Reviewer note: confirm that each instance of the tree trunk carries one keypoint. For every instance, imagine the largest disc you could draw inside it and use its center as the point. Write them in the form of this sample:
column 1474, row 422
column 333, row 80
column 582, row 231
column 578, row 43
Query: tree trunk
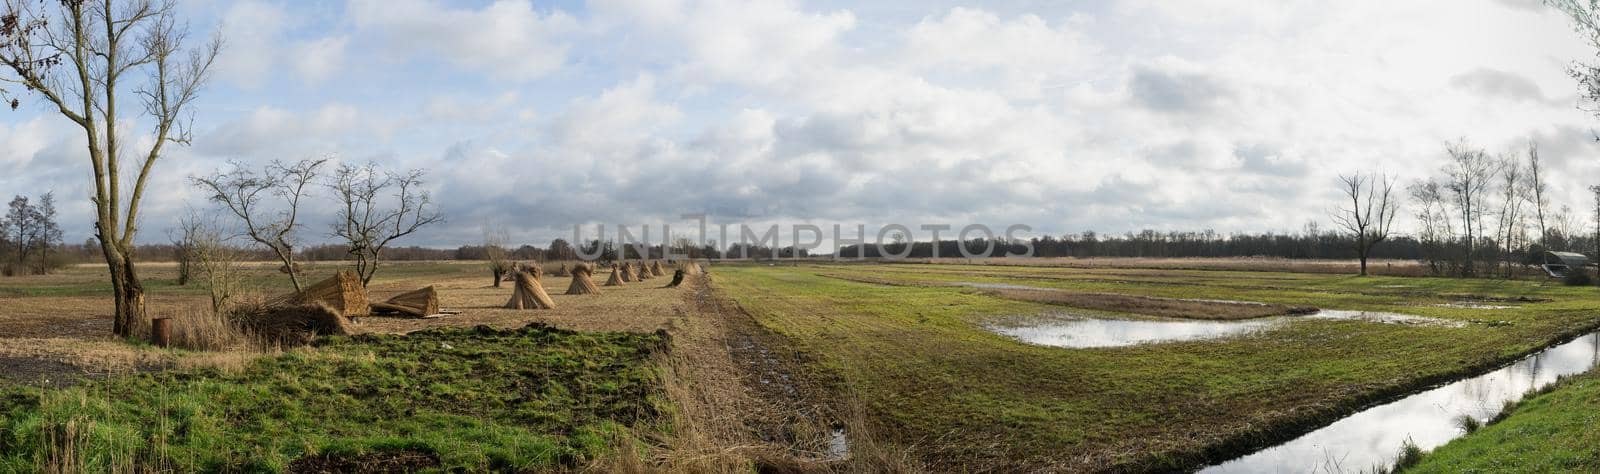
column 129, row 292
column 1361, row 250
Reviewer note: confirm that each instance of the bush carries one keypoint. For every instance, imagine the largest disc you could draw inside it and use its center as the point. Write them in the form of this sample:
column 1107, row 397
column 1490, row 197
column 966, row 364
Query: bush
column 1577, row 277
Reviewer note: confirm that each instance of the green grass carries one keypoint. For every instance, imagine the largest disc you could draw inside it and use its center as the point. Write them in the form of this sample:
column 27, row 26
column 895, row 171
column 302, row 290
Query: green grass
column 1555, row 431
column 479, row 399
column 961, row 397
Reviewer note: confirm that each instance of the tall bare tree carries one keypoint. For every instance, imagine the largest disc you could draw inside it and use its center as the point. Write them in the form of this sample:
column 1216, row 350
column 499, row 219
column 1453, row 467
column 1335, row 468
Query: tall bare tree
column 1433, row 217
column 1371, row 211
column 104, row 47
column 378, row 208
column 1469, row 174
column 241, row 190
column 1538, row 191
column 1509, row 227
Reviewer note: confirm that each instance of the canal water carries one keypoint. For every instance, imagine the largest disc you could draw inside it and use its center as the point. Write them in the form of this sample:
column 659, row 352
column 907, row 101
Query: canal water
column 1429, row 419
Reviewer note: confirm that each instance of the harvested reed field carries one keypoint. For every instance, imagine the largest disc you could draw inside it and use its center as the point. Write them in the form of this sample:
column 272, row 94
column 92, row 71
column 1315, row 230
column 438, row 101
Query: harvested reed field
column 920, row 347
column 666, row 377
column 843, row 367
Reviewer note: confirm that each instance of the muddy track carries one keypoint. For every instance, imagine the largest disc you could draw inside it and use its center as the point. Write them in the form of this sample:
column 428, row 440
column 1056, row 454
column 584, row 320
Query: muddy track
column 746, row 397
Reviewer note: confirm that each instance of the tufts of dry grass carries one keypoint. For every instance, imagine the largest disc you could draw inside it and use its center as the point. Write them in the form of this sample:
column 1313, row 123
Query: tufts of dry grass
column 200, row 329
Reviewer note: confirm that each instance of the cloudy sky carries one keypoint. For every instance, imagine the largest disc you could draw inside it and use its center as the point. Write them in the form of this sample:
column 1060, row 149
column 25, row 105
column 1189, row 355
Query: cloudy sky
column 1066, row 116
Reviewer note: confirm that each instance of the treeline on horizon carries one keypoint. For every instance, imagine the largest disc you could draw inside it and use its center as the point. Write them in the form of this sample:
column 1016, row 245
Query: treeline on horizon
column 1143, row 244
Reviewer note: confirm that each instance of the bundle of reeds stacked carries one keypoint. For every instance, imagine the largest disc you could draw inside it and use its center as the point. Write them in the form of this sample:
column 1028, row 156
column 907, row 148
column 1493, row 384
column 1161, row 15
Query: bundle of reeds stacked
column 582, row 284
column 655, row 269
column 616, row 276
column 563, row 271
column 343, row 292
column 420, row 303
column 628, row 274
column 691, row 268
column 644, row 272
column 529, row 293
column 291, row 325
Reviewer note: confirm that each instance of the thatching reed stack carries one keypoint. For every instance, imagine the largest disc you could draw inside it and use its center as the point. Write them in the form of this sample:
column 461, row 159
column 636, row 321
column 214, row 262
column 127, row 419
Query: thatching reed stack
column 655, row 269
column 616, row 276
column 643, row 272
column 582, row 283
column 628, row 275
column 419, row 303
column 343, row 292
column 563, row 271
column 291, row 324
column 529, row 293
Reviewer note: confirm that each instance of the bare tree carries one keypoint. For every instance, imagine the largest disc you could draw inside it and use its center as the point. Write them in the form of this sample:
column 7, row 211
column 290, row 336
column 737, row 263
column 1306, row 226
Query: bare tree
column 101, row 44
column 367, row 223
column 1469, row 173
column 22, row 229
column 1433, row 217
column 216, row 265
column 1510, row 223
column 1371, row 213
column 1585, row 16
column 1537, row 192
column 48, row 233
column 494, row 246
column 241, row 191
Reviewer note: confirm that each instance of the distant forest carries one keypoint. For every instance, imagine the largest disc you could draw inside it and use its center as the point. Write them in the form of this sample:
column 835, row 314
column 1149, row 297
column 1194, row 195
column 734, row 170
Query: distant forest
column 1146, row 244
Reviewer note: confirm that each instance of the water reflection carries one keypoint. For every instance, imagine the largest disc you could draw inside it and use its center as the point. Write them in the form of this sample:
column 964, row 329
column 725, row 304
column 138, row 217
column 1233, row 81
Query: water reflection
column 1386, row 318
column 1096, row 332
column 1429, row 419
column 1080, row 332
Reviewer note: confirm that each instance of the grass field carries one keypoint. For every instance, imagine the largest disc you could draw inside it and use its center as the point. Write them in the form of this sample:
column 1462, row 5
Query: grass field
column 758, row 363
column 466, row 399
column 965, row 398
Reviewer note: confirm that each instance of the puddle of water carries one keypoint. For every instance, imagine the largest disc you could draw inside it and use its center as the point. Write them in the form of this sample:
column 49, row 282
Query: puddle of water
column 1386, row 318
column 1083, row 333
column 1374, row 436
column 1080, row 332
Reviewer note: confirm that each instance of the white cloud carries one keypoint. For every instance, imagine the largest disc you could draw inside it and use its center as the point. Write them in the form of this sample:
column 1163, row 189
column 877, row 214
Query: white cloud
column 1132, row 114
column 320, row 59
column 507, row 39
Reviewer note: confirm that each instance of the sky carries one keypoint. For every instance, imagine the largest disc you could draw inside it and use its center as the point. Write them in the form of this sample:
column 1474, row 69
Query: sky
column 1115, row 115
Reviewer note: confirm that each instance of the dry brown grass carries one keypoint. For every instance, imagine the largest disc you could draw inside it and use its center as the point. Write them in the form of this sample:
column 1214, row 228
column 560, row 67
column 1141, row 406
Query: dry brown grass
column 1154, row 306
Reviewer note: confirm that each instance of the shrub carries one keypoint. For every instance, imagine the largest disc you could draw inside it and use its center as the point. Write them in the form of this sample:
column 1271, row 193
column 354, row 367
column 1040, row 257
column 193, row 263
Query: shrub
column 1577, row 277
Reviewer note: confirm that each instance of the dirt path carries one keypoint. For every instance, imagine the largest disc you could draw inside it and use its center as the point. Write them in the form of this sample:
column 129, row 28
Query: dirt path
column 742, row 395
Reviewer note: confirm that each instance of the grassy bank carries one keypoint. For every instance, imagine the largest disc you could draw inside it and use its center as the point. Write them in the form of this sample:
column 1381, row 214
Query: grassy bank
column 964, row 398
column 469, row 399
column 1555, row 431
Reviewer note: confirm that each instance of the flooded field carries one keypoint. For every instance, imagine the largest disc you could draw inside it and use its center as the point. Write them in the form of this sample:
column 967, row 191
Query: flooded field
column 1079, row 331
